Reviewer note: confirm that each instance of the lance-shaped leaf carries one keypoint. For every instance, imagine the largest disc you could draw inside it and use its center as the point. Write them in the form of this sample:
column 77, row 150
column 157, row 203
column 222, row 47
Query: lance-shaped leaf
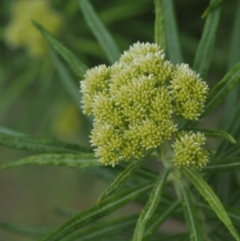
column 233, row 213
column 36, row 144
column 67, row 160
column 96, row 212
column 151, row 206
column 213, row 133
column 159, row 219
column 193, row 224
column 100, row 32
column 222, row 167
column 77, row 66
column 159, row 28
column 24, row 230
column 206, row 45
column 173, row 43
column 222, row 88
column 105, row 229
column 213, row 4
column 123, row 177
column 206, row 191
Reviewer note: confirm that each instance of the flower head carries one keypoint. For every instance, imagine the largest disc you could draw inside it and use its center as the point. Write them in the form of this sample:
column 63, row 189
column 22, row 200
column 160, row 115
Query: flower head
column 188, row 150
column 134, row 100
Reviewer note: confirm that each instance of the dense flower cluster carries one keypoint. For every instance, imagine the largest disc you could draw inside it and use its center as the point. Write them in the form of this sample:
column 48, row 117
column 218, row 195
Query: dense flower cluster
column 133, row 102
column 188, row 150
column 21, row 33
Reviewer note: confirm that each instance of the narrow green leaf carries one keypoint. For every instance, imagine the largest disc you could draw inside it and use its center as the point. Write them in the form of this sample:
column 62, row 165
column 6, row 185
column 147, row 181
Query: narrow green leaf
column 160, row 218
column 7, row 131
column 96, row 212
column 222, row 167
column 123, row 177
column 206, row 45
column 24, row 230
column 159, row 35
column 104, row 229
column 222, row 88
column 65, row 212
column 66, row 78
column 151, row 206
column 195, row 230
column 67, row 160
column 100, row 32
column 213, row 4
column 77, row 66
column 36, row 144
column 213, row 133
column 206, row 191
column 173, row 43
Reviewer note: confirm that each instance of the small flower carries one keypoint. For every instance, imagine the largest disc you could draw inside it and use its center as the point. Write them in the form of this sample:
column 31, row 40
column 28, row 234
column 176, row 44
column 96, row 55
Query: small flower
column 188, row 150
column 21, row 33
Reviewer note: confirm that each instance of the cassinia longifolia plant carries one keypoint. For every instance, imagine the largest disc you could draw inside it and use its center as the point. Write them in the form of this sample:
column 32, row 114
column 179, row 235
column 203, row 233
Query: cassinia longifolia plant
column 149, row 104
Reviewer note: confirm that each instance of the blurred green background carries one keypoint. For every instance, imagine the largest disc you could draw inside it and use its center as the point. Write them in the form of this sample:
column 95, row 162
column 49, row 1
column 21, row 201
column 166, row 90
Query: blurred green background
column 35, row 99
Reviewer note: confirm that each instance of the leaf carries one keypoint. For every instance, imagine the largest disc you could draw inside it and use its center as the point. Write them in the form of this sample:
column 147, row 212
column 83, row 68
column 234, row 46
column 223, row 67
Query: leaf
column 77, row 66
column 222, row 167
column 36, row 144
column 66, row 79
column 206, row 45
column 213, row 4
column 151, row 206
column 193, row 224
column 159, row 35
column 100, row 32
column 104, row 229
column 213, row 133
column 159, row 219
column 206, row 191
column 67, row 160
column 96, row 212
column 24, row 229
column 123, row 177
column 173, row 43
column 222, row 88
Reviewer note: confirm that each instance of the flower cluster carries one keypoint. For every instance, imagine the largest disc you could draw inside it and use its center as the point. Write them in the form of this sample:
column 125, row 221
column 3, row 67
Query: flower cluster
column 134, row 100
column 21, row 33
column 188, row 150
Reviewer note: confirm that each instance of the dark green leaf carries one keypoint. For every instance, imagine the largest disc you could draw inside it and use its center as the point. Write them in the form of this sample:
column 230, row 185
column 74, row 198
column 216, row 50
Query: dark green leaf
column 213, row 4
column 104, row 229
column 195, row 230
column 151, row 206
column 222, row 88
column 222, row 167
column 173, row 43
column 123, row 177
column 206, row 191
column 67, row 160
column 77, row 66
column 159, row 219
column 99, row 30
column 159, row 35
column 24, row 229
column 96, row 212
column 206, row 45
column 36, row 144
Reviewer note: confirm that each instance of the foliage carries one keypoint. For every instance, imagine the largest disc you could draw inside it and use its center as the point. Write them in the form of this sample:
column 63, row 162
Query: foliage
column 188, row 185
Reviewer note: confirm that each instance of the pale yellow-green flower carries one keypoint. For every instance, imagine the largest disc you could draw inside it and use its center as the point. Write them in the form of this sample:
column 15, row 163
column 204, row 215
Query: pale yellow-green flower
column 189, row 151
column 188, row 91
column 134, row 100
column 21, row 33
